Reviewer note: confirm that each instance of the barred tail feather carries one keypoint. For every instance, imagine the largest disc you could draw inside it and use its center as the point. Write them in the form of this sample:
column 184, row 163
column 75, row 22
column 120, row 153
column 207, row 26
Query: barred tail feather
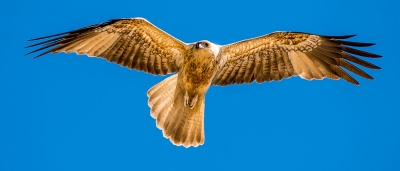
column 182, row 125
column 160, row 95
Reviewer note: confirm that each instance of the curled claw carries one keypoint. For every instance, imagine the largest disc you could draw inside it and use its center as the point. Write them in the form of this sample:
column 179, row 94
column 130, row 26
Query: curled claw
column 193, row 102
column 186, row 99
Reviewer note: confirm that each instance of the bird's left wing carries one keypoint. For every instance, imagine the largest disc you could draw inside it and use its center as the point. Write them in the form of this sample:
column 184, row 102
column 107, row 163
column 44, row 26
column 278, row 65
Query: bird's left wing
column 134, row 43
column 284, row 54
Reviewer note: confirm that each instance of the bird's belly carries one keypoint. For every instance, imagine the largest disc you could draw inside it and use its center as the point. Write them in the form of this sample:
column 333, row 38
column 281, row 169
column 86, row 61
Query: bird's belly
column 197, row 75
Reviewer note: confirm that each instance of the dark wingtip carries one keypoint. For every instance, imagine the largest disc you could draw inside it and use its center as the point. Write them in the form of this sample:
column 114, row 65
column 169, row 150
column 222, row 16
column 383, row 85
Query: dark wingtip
column 35, row 56
column 44, row 53
column 45, row 42
column 358, row 61
column 356, row 44
column 353, row 81
column 359, row 52
column 38, row 56
column 28, row 53
column 338, row 37
column 48, row 36
column 356, row 83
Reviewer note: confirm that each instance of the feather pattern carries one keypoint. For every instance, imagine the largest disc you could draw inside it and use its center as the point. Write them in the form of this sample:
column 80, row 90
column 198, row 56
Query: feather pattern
column 183, row 126
column 134, row 43
column 285, row 54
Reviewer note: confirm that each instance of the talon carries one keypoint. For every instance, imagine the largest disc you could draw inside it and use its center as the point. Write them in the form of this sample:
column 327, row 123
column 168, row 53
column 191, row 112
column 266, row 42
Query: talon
column 193, row 102
column 186, row 99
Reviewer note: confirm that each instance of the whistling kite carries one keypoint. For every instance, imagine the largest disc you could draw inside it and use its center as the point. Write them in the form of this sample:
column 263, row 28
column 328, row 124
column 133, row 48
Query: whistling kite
column 177, row 103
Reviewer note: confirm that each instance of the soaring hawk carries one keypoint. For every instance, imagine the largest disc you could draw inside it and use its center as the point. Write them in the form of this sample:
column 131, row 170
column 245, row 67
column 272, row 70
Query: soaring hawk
column 177, row 103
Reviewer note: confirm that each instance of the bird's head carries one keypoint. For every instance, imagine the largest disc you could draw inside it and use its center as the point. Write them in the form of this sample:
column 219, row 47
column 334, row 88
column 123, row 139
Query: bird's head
column 206, row 45
column 202, row 44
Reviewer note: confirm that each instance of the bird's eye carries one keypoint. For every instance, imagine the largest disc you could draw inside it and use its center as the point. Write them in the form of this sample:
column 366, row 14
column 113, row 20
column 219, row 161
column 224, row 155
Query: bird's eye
column 198, row 46
column 206, row 44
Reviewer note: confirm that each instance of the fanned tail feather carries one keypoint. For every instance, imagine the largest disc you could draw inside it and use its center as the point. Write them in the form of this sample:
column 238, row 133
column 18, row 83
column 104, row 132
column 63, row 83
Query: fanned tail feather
column 182, row 125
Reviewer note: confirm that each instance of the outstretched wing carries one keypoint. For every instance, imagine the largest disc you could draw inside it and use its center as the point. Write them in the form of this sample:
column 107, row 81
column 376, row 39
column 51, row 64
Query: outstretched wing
column 284, row 54
column 134, row 43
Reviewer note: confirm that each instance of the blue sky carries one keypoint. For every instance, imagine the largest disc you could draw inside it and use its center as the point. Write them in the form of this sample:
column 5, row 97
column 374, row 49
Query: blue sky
column 68, row 112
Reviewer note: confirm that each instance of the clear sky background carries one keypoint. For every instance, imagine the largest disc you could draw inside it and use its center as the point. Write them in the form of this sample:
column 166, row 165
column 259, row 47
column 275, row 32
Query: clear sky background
column 68, row 112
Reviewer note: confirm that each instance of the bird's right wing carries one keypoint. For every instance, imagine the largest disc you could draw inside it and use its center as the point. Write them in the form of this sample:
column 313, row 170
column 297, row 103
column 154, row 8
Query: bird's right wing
column 284, row 54
column 134, row 43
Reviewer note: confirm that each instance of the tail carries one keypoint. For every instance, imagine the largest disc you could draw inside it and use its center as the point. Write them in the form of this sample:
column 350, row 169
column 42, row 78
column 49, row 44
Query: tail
column 182, row 125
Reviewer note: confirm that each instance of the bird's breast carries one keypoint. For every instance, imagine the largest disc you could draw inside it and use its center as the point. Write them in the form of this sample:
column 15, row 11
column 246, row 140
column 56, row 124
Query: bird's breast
column 197, row 73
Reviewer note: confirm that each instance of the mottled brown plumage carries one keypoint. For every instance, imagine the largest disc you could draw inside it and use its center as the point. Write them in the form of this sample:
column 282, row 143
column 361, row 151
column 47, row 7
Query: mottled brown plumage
column 284, row 54
column 177, row 103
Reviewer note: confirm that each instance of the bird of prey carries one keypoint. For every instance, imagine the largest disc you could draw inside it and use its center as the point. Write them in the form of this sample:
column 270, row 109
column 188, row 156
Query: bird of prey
column 177, row 103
